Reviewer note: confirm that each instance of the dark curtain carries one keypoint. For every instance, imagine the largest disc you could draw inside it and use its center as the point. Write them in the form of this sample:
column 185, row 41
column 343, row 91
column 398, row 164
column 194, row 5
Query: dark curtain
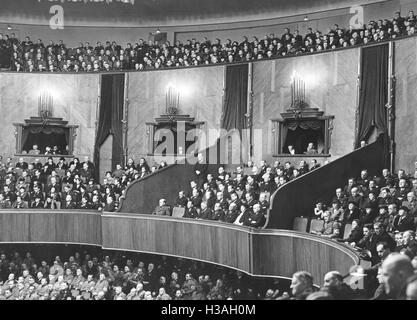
column 67, row 136
column 25, row 136
column 373, row 94
column 236, row 98
column 47, row 130
column 110, row 118
column 307, row 124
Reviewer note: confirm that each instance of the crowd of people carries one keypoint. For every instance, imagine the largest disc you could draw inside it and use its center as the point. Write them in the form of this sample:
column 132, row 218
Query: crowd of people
column 396, row 280
column 29, row 56
column 240, row 197
column 64, row 185
column 382, row 214
column 124, row 276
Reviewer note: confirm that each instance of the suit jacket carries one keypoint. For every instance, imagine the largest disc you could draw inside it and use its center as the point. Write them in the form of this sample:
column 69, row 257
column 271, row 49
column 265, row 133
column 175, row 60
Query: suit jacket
column 255, row 220
column 206, row 214
column 202, row 167
column 403, row 224
column 218, row 215
column 354, row 236
column 191, row 213
column 162, row 211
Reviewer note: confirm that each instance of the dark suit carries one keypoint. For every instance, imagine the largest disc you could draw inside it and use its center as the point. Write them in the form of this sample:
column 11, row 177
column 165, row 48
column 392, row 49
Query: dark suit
column 206, row 214
column 191, row 213
column 403, row 223
column 231, row 216
column 255, row 220
column 181, row 202
column 218, row 215
column 200, row 177
column 162, row 211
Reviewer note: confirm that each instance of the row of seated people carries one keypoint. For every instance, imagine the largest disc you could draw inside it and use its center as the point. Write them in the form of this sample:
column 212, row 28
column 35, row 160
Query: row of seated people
column 389, row 199
column 29, row 57
column 241, row 197
column 64, row 185
column 381, row 212
column 395, row 277
column 116, row 277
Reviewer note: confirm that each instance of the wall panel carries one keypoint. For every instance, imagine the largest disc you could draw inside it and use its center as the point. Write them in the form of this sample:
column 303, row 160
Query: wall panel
column 405, row 64
column 331, row 86
column 201, row 97
column 75, row 100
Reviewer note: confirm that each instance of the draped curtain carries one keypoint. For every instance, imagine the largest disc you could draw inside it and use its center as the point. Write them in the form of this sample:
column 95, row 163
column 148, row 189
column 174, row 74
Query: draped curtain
column 110, row 118
column 43, row 129
column 306, row 124
column 234, row 109
column 236, row 98
column 373, row 94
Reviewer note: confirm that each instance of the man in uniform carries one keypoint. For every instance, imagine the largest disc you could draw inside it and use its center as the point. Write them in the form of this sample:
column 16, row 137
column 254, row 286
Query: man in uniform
column 162, row 209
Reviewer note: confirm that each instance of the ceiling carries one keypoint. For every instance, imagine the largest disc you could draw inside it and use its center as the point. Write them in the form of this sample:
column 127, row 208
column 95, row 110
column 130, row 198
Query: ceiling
column 144, row 13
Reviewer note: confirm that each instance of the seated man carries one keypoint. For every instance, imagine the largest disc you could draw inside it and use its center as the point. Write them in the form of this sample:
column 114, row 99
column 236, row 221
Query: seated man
column 408, row 242
column 301, row 286
column 34, row 150
column 181, row 200
column 19, row 203
column 310, row 149
column 403, row 221
column 205, row 213
column 329, row 226
column 291, row 150
column 190, row 211
column 334, row 285
column 162, row 209
column 256, row 218
column 355, row 233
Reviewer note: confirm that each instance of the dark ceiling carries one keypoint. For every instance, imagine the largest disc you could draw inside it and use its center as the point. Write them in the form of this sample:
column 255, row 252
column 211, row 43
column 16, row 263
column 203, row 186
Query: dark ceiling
column 162, row 12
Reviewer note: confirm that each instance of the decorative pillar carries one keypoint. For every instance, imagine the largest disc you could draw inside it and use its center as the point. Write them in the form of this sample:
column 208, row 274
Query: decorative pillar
column 358, row 90
column 390, row 105
column 249, row 116
column 150, row 131
column 71, row 142
column 125, row 119
column 18, row 131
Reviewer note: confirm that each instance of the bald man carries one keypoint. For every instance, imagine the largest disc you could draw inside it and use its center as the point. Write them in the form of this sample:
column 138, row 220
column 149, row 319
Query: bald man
column 334, row 285
column 396, row 270
column 333, row 278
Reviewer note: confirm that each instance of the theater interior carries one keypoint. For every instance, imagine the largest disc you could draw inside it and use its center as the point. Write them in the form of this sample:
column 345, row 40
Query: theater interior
column 208, row 150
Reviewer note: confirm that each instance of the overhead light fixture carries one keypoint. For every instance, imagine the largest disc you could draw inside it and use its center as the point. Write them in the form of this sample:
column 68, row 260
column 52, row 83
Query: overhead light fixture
column 9, row 27
column 305, row 18
column 158, row 31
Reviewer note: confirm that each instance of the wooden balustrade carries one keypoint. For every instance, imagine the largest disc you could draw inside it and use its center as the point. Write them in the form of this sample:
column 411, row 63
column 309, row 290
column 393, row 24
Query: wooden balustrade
column 255, row 252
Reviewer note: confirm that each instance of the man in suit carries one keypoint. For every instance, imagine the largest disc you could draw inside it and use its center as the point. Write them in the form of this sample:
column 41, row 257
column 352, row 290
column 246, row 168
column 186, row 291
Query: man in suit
column 403, row 221
column 162, row 209
column 380, row 235
column 205, row 213
column 200, row 170
column 110, row 205
column 22, row 164
column 181, row 200
column 256, row 218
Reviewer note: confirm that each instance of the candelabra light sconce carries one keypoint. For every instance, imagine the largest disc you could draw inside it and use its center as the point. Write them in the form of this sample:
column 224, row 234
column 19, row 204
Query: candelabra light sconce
column 298, row 92
column 45, row 104
column 172, row 101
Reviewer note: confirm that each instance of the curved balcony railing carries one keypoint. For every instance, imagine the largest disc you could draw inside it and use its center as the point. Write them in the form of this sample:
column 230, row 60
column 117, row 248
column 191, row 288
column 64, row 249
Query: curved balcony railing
column 275, row 253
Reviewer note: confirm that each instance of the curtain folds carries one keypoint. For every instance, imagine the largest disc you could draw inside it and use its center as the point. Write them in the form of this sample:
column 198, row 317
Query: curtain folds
column 236, row 98
column 373, row 95
column 47, row 130
column 110, row 118
column 305, row 125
